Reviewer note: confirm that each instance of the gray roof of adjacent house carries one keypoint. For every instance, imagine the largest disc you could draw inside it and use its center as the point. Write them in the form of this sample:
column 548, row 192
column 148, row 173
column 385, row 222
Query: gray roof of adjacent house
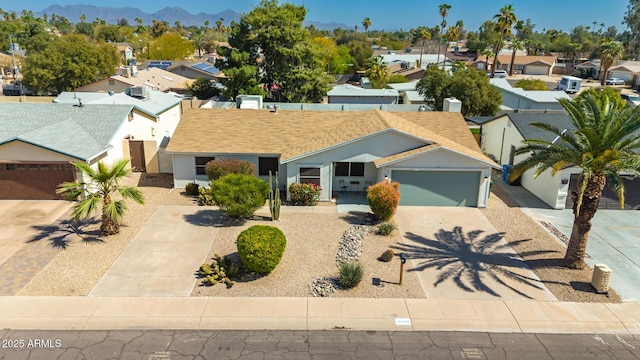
column 406, row 86
column 157, row 103
column 548, row 96
column 81, row 132
column 350, row 90
column 479, row 119
column 413, row 95
column 523, row 121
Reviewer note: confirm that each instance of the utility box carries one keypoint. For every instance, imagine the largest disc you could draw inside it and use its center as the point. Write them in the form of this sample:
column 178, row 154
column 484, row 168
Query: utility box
column 601, row 278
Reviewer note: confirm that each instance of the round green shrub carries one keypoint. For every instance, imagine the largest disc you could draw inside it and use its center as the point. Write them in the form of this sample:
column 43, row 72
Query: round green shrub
column 383, row 199
column 304, row 194
column 261, row 247
column 239, row 195
column 192, row 189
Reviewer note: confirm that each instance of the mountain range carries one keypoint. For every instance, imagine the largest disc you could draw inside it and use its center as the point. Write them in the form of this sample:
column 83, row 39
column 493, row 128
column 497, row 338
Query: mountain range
column 169, row 14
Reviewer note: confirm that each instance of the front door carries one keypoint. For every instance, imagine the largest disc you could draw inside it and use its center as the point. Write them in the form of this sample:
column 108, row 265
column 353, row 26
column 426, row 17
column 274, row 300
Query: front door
column 136, row 150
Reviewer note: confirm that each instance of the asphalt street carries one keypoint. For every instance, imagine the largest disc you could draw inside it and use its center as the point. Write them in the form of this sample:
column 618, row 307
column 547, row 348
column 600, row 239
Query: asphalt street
column 336, row 344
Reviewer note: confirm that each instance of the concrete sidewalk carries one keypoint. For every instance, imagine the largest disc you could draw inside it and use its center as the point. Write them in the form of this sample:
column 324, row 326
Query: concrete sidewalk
column 200, row 313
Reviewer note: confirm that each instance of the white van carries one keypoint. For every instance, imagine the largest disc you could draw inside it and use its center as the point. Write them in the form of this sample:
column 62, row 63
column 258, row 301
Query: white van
column 570, row 84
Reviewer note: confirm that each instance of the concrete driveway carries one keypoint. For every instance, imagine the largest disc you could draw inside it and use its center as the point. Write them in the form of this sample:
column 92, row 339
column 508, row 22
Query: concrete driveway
column 614, row 241
column 164, row 256
column 21, row 220
column 458, row 254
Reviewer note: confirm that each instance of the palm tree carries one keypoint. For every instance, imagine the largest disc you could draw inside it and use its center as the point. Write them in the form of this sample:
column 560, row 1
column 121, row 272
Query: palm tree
column 516, row 44
column 99, row 188
column 604, row 143
column 423, row 35
column 198, row 41
column 443, row 9
column 378, row 73
column 206, row 24
column 610, row 51
column 219, row 23
column 366, row 23
column 504, row 20
column 83, row 17
column 460, row 27
column 488, row 53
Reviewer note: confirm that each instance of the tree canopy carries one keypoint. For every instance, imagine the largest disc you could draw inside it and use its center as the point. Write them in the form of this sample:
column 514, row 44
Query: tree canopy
column 68, row 62
column 468, row 85
column 271, row 47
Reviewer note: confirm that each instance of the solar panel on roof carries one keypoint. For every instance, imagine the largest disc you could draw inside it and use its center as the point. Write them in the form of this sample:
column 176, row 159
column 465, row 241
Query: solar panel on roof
column 164, row 65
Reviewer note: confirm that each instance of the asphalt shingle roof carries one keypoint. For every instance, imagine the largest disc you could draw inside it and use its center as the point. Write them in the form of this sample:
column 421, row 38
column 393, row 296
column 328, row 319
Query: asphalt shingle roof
column 523, row 121
column 295, row 134
column 80, row 132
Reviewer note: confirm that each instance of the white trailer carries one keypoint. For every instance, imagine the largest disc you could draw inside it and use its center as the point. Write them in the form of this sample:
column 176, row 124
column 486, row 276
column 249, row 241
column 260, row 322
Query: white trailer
column 570, row 84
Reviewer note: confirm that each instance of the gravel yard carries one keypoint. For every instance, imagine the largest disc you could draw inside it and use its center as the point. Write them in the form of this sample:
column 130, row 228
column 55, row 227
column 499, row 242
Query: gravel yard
column 312, row 245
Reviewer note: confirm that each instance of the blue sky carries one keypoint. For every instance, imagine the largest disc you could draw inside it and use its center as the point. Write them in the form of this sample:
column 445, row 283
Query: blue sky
column 390, row 14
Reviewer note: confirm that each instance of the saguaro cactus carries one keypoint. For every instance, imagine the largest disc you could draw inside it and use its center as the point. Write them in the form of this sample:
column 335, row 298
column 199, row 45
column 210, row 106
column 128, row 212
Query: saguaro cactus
column 274, row 198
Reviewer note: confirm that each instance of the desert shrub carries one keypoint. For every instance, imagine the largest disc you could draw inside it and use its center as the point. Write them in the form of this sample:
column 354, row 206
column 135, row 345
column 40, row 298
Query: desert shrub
column 385, row 228
column 351, row 274
column 261, row 247
column 383, row 199
column 239, row 195
column 531, row 84
column 205, row 197
column 192, row 189
column 218, row 168
column 304, row 194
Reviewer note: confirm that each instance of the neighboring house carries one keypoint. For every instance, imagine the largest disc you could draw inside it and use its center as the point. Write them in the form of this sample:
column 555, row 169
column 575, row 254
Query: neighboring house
column 350, row 94
column 592, row 68
column 38, row 142
column 411, row 60
column 153, row 123
column 153, row 78
column 627, row 71
column 198, row 70
column 518, row 99
column 527, row 65
column 432, row 154
column 126, row 53
column 503, row 134
column 412, row 97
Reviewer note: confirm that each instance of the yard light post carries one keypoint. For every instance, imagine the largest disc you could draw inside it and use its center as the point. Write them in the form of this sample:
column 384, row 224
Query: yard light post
column 403, row 260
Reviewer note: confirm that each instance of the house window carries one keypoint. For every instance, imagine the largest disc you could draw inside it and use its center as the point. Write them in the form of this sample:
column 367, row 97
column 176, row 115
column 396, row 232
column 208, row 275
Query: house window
column 355, row 169
column 310, row 175
column 201, row 161
column 11, row 166
column 266, row 164
column 33, row 167
column 20, row 167
column 518, row 67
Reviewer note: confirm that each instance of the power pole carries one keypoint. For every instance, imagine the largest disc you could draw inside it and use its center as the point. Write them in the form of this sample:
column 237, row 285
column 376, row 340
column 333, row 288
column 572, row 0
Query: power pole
column 15, row 67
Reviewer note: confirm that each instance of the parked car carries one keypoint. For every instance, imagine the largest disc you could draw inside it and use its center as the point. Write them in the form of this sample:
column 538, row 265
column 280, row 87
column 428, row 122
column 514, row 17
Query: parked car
column 631, row 99
column 614, row 81
column 500, row 74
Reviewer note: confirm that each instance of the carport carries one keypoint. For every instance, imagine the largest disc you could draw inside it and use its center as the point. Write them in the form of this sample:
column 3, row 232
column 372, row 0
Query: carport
column 438, row 188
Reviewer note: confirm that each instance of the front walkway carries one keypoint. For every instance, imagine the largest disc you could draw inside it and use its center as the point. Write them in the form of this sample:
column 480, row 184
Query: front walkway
column 251, row 313
column 163, row 257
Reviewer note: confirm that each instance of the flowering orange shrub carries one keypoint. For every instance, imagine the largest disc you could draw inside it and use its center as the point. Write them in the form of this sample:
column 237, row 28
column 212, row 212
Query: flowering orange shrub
column 383, row 199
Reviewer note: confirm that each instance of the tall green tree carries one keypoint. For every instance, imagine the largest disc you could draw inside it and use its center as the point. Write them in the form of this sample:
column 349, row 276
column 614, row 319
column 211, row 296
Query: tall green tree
column 97, row 188
column 68, row 62
column 610, row 51
column 632, row 20
column 421, row 34
column 504, row 20
column 516, row 45
column 443, row 9
column 271, row 38
column 378, row 73
column 604, row 142
column 468, row 85
column 366, row 23
column 170, row 46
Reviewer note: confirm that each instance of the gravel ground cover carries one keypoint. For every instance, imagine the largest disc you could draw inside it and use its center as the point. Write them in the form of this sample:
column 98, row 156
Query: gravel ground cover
column 313, row 240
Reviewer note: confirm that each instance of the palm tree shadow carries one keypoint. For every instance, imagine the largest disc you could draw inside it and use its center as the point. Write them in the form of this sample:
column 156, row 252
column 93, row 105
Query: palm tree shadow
column 61, row 234
column 467, row 258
